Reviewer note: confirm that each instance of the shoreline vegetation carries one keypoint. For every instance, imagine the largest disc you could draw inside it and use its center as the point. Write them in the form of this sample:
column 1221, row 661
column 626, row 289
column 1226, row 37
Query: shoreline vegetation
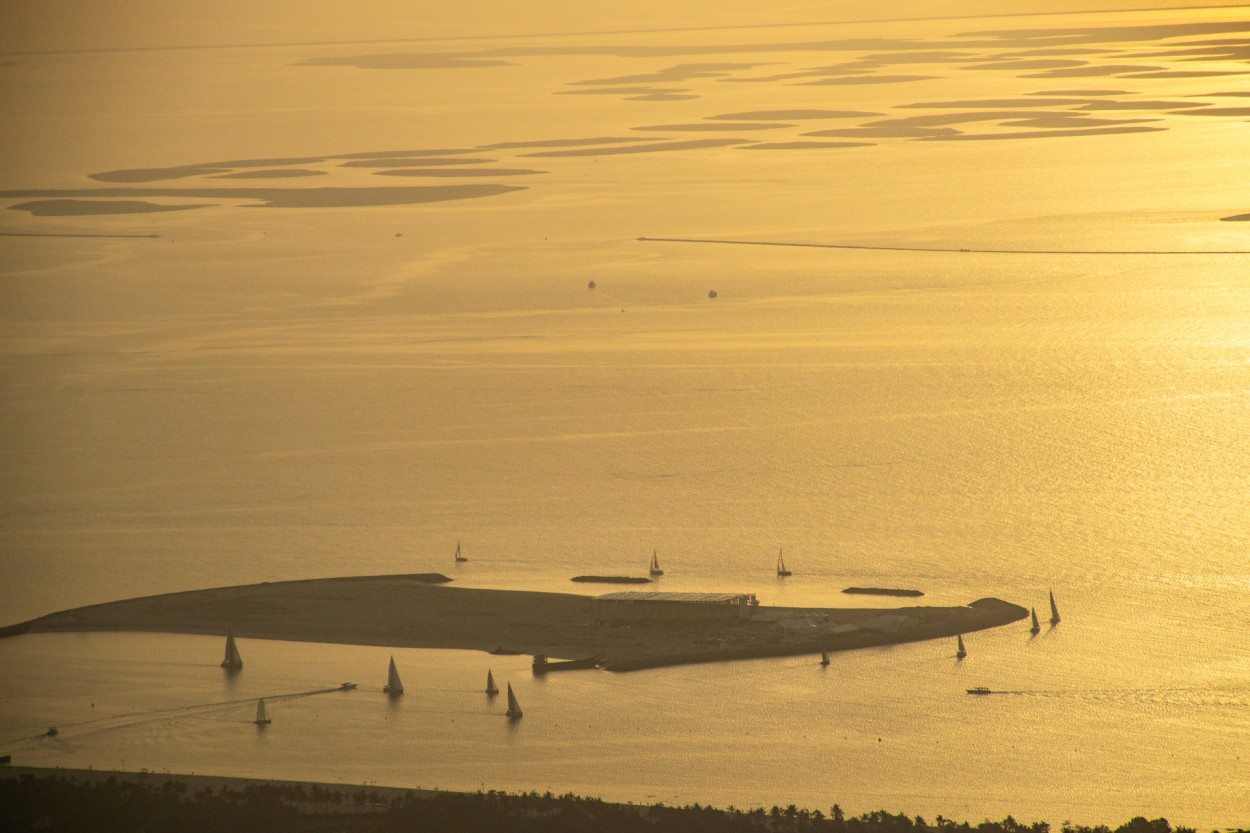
column 34, row 798
column 414, row 611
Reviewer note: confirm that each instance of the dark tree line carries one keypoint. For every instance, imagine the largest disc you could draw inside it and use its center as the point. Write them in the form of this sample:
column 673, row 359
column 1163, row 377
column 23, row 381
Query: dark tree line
column 53, row 804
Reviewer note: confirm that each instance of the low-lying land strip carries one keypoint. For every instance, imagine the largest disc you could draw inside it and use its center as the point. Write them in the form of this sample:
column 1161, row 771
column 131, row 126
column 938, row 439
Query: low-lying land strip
column 417, row 611
column 120, row 802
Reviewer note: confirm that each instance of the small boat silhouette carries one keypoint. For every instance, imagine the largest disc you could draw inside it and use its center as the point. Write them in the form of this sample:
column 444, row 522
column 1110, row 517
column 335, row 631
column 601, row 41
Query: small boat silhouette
column 262, row 718
column 232, row 660
column 393, row 685
column 514, row 708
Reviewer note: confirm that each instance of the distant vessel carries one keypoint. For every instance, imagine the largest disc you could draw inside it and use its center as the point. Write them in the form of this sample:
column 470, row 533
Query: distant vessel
column 824, row 657
column 262, row 719
column 781, row 565
column 514, row 708
column 491, row 689
column 393, row 685
column 347, row 686
column 612, row 579
column 1054, row 611
column 655, row 565
column 459, row 558
column 232, row 660
column 979, row 690
column 52, row 732
column 883, row 591
column 1035, row 628
column 542, row 665
column 960, row 653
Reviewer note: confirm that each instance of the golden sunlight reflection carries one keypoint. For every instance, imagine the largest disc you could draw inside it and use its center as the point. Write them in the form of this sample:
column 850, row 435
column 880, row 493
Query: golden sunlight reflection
column 946, row 301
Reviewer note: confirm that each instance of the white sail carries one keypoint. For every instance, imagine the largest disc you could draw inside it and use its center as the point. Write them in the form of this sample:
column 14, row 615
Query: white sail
column 393, row 685
column 1035, row 628
column 959, row 641
column 490, row 685
column 1054, row 611
column 232, row 660
column 262, row 719
column 514, row 708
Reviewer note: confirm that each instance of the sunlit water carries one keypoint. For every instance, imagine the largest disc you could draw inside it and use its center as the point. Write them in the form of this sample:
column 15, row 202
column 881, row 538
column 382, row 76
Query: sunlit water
column 266, row 393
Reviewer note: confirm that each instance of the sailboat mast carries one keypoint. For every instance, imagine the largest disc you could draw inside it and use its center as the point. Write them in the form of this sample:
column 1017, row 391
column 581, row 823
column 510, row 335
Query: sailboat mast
column 232, row 660
column 393, row 685
column 514, row 708
column 1054, row 611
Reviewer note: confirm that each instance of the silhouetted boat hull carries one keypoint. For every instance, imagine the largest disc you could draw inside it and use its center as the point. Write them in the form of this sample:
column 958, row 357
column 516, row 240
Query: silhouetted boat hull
column 232, row 660
column 514, row 708
column 393, row 684
column 262, row 717
column 781, row 565
column 542, row 665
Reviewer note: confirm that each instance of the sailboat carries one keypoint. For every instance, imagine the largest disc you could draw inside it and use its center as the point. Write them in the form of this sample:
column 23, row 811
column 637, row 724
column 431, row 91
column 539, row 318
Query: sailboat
column 232, row 660
column 781, row 565
column 491, row 689
column 514, row 708
column 655, row 565
column 262, row 719
column 1054, row 611
column 1035, row 628
column 459, row 558
column 960, row 653
column 393, row 685
column 824, row 657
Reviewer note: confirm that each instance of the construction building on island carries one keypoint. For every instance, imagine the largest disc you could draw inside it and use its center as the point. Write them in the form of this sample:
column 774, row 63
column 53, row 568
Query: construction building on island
column 626, row 607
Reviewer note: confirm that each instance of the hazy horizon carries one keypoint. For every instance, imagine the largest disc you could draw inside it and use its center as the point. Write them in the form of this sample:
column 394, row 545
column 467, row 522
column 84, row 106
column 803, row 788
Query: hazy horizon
column 300, row 290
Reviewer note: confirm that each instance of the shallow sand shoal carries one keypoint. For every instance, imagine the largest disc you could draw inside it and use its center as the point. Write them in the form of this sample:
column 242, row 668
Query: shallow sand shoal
column 419, row 611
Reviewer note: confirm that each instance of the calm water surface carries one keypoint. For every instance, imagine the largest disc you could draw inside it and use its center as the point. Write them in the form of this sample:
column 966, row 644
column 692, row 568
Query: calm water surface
column 269, row 393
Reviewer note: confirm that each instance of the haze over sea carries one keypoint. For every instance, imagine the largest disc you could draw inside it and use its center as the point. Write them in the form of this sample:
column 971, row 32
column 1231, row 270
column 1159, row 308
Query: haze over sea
column 369, row 335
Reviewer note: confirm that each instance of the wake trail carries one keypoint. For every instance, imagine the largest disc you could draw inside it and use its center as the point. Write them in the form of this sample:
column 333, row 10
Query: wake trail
column 940, row 248
column 110, row 723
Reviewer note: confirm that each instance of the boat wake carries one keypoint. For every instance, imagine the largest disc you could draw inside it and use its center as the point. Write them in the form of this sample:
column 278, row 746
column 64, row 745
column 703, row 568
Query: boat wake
column 112, row 723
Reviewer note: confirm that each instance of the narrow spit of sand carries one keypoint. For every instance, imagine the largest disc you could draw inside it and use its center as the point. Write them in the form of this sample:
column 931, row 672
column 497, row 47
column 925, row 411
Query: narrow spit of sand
column 419, row 611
